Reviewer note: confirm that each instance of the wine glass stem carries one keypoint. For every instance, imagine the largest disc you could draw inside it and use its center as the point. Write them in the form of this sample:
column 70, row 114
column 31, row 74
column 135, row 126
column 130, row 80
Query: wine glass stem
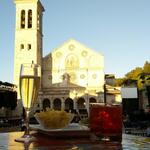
column 27, row 122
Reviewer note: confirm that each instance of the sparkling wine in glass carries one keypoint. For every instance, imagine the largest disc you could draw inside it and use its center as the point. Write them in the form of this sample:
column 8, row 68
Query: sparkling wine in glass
column 30, row 75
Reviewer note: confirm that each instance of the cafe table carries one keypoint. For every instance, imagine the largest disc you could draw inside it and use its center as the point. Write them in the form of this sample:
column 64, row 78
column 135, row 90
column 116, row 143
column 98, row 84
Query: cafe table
column 47, row 142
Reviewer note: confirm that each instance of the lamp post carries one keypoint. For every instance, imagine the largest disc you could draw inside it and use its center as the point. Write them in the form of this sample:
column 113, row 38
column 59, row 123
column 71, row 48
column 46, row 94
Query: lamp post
column 87, row 101
column 105, row 93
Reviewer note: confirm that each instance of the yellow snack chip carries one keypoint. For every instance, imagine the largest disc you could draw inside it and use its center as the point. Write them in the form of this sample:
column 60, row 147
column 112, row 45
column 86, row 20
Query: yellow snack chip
column 54, row 119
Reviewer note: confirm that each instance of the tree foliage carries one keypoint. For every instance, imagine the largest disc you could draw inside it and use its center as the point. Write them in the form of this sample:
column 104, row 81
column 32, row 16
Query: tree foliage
column 146, row 68
column 139, row 76
column 134, row 74
column 119, row 81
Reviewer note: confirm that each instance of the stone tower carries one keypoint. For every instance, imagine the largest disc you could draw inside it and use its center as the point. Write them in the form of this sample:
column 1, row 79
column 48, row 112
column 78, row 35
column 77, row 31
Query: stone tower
column 28, row 35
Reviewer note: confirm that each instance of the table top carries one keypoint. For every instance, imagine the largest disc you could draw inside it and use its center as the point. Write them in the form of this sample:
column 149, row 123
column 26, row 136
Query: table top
column 46, row 142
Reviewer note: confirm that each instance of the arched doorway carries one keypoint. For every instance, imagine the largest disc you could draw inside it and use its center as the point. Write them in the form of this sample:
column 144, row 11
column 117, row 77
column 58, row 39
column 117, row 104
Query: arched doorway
column 92, row 100
column 46, row 103
column 57, row 104
column 68, row 104
column 81, row 103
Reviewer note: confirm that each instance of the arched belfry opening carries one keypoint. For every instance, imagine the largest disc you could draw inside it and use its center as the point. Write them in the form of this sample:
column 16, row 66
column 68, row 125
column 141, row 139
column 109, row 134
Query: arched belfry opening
column 22, row 22
column 30, row 18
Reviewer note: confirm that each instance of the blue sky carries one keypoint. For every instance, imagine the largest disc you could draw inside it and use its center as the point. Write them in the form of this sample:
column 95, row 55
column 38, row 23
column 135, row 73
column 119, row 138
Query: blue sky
column 118, row 29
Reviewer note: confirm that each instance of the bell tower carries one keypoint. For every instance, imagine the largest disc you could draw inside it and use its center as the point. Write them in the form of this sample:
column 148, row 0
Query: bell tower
column 28, row 35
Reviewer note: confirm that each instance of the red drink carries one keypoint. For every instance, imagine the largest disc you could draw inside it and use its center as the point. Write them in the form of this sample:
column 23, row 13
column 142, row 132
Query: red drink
column 106, row 121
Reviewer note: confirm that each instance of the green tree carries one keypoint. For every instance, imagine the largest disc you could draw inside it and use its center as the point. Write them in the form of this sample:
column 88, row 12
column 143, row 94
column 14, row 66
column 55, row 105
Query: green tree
column 146, row 68
column 139, row 75
column 119, row 81
column 134, row 74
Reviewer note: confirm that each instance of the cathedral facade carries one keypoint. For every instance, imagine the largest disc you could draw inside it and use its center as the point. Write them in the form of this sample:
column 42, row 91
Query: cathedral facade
column 72, row 74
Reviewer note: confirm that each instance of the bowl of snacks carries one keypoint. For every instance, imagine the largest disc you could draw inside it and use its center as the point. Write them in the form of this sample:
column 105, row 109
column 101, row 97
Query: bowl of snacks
column 54, row 119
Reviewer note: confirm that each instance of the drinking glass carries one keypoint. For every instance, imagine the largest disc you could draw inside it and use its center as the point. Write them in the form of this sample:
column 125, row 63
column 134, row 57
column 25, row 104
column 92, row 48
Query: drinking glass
column 106, row 121
column 29, row 84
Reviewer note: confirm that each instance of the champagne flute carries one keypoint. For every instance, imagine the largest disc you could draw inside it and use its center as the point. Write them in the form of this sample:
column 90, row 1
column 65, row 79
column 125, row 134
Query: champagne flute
column 30, row 75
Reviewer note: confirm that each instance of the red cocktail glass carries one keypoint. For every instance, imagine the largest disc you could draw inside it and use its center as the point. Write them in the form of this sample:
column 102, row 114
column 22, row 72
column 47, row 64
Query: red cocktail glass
column 106, row 121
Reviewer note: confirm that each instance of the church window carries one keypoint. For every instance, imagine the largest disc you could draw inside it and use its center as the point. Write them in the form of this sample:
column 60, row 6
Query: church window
column 71, row 62
column 29, row 46
column 30, row 18
column 71, row 47
column 22, row 19
column 22, row 46
column 58, row 54
column 82, row 76
column 84, row 53
column 94, row 76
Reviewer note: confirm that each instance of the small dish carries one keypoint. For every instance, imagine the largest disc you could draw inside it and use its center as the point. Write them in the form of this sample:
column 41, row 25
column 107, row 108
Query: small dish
column 72, row 130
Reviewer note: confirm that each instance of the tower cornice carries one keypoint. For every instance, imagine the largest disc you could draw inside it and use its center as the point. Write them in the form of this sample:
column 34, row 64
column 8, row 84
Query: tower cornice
column 29, row 1
column 25, row 1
